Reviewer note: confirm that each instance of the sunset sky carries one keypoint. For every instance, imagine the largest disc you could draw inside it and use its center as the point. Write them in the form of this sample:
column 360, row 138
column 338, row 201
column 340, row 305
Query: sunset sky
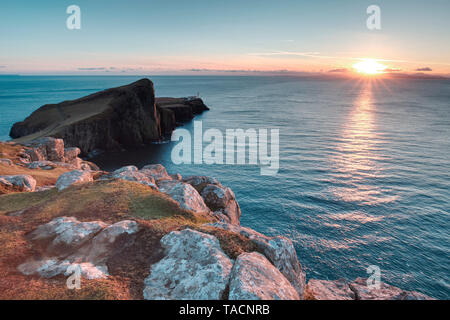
column 213, row 37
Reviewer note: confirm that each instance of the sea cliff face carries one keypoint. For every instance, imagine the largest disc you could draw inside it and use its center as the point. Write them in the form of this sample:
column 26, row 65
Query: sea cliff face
column 113, row 119
column 140, row 234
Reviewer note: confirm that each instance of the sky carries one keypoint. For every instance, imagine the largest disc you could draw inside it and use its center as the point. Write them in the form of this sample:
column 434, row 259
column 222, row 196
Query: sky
column 222, row 37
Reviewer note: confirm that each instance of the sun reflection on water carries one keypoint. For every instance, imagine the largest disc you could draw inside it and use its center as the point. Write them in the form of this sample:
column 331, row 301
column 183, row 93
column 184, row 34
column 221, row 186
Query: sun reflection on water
column 355, row 164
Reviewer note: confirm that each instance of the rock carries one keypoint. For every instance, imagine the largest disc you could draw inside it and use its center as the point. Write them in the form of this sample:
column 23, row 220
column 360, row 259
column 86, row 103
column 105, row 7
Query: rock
column 73, row 177
column 71, row 153
column 131, row 173
column 328, row 290
column 101, row 245
column 75, row 244
column 6, row 162
column 112, row 119
column 44, row 165
column 20, row 183
column 200, row 182
column 253, row 277
column 384, row 292
column 46, row 148
column 184, row 194
column 63, row 234
column 222, row 202
column 49, row 268
column 156, row 171
column 194, row 267
column 279, row 250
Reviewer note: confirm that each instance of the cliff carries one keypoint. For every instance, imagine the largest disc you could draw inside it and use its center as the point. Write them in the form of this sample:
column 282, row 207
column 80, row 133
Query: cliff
column 113, row 119
column 140, row 234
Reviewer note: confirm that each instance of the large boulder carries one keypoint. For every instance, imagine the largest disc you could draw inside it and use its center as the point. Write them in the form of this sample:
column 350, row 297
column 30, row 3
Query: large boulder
column 222, row 202
column 185, row 195
column 328, row 290
column 253, row 277
column 194, row 268
column 73, row 177
column 21, row 183
column 70, row 244
column 63, row 234
column 279, row 250
column 131, row 173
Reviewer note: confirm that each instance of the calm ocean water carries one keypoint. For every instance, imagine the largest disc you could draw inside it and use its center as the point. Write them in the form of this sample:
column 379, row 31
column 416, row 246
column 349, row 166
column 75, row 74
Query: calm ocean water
column 364, row 173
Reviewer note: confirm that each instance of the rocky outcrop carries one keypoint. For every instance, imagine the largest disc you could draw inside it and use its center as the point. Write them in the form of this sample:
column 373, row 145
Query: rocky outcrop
column 112, row 119
column 21, row 183
column 279, row 250
column 73, row 177
column 357, row 290
column 48, row 153
column 46, row 148
column 253, row 277
column 194, row 267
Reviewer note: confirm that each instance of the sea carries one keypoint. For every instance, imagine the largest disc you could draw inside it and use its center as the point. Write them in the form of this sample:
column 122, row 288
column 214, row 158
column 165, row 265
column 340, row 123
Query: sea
column 364, row 164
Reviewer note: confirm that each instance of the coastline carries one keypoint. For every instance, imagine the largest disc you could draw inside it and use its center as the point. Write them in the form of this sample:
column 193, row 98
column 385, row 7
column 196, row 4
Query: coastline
column 48, row 164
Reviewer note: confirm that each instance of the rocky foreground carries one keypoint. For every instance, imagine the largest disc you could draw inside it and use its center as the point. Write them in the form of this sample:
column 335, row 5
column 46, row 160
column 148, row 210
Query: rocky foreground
column 140, row 234
column 113, row 119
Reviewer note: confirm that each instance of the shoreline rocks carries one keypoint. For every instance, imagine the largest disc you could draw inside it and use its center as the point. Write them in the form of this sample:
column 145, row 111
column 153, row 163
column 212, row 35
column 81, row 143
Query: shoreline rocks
column 254, row 278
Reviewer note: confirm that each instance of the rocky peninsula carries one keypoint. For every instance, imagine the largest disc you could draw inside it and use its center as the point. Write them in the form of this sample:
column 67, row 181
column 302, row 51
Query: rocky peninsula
column 112, row 119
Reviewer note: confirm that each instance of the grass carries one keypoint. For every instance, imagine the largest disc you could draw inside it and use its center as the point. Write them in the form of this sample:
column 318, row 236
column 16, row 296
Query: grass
column 43, row 177
column 107, row 200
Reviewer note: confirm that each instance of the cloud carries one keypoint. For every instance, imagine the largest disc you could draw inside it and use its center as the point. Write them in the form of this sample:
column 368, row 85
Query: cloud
column 236, row 70
column 392, row 70
column 2, row 67
column 338, row 70
column 92, row 69
column 424, row 69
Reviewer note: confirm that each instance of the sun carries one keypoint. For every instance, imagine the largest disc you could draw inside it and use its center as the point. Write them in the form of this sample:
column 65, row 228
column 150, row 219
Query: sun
column 369, row 67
